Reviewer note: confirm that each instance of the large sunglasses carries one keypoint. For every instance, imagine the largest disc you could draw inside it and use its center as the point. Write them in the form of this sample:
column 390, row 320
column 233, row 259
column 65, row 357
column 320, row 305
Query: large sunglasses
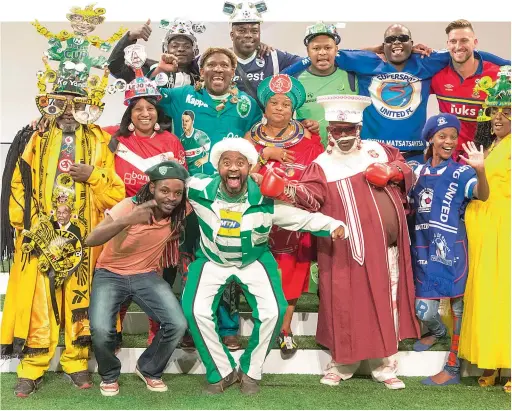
column 493, row 111
column 85, row 110
column 338, row 131
column 402, row 38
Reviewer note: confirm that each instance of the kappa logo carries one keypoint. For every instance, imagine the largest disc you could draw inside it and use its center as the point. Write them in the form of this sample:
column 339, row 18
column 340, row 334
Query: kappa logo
column 194, row 101
column 425, row 198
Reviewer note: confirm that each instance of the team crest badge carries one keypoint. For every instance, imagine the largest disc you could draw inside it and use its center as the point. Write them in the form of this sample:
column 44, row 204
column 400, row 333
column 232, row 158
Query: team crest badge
column 260, row 62
column 425, row 198
column 373, row 153
column 442, row 250
column 280, row 84
column 162, row 170
column 342, row 116
column 441, row 121
column 243, row 106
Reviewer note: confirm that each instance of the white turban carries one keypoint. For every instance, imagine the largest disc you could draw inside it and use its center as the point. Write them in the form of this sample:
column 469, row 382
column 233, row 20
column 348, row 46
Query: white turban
column 241, row 145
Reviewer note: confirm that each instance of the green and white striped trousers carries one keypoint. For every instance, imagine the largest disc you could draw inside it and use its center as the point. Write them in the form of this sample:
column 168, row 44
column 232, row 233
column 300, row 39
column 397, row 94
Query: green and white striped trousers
column 261, row 284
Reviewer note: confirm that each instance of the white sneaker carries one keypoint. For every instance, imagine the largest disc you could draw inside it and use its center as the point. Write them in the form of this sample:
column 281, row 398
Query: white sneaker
column 394, row 384
column 109, row 389
column 331, row 379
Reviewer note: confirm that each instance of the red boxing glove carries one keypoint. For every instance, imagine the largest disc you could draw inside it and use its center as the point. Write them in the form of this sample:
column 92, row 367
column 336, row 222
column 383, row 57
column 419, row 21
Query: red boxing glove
column 379, row 174
column 272, row 185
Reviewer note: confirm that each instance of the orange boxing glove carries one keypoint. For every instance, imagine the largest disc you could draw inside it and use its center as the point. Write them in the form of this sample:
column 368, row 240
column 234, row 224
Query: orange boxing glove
column 380, row 174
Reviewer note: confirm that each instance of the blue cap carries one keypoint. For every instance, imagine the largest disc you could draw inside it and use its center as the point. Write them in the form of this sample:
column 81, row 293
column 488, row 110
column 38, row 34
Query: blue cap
column 436, row 123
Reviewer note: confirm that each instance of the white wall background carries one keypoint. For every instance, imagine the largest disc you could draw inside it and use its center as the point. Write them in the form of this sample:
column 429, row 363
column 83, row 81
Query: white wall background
column 21, row 48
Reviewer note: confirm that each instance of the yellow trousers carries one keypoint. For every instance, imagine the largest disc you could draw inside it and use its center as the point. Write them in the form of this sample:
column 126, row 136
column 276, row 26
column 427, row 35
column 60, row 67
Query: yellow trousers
column 73, row 358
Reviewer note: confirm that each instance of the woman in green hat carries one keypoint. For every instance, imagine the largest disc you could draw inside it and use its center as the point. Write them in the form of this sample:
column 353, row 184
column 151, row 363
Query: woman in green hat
column 283, row 143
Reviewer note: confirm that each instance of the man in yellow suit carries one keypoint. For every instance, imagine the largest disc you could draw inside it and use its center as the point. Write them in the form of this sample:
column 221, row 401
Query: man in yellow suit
column 50, row 279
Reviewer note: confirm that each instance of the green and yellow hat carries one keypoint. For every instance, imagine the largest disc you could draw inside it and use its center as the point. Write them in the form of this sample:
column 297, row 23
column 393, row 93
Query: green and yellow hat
column 282, row 84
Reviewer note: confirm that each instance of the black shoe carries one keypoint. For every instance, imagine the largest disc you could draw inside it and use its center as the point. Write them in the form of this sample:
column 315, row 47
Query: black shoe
column 220, row 387
column 287, row 344
column 25, row 386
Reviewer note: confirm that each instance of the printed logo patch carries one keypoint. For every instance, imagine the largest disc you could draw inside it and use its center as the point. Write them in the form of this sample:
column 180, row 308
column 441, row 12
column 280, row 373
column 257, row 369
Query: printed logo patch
column 243, row 107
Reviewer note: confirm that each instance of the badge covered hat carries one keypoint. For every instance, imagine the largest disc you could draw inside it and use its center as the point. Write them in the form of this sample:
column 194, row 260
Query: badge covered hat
column 181, row 27
column 282, row 84
column 322, row 28
column 134, row 57
column 71, row 50
column 245, row 11
column 345, row 108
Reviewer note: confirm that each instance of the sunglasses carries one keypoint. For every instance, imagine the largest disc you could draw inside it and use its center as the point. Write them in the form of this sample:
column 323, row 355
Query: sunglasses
column 402, row 38
column 338, row 131
column 493, row 111
column 85, row 110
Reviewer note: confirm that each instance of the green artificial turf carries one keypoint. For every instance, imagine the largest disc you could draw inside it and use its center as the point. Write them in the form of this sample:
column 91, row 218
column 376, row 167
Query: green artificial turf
column 277, row 392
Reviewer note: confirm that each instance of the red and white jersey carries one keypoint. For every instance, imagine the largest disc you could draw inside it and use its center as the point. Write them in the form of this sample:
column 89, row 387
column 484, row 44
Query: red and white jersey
column 455, row 95
column 136, row 154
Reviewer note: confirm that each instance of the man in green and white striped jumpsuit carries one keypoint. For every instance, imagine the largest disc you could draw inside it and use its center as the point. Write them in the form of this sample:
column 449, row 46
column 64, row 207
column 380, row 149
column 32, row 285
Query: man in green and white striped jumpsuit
column 235, row 222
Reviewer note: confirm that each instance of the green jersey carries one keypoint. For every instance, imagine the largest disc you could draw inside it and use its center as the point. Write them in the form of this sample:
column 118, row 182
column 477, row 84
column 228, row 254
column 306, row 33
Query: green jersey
column 207, row 125
column 335, row 83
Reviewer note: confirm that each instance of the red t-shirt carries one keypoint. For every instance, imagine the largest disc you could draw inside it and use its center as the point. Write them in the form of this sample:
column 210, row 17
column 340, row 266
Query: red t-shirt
column 455, row 96
column 136, row 154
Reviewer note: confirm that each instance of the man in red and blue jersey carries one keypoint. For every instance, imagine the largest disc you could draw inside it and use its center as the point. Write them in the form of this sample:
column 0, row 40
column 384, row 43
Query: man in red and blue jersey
column 454, row 86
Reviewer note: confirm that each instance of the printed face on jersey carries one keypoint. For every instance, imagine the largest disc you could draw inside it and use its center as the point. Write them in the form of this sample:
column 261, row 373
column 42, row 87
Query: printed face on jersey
column 183, row 49
column 444, row 142
column 66, row 121
column 322, row 52
column 233, row 169
column 397, row 44
column 187, row 123
column 500, row 121
column 144, row 117
column 168, row 194
column 461, row 44
column 217, row 73
column 344, row 134
column 63, row 214
column 278, row 110
column 245, row 37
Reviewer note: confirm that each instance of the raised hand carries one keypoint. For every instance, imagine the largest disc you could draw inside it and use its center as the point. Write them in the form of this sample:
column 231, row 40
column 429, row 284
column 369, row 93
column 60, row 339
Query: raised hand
column 143, row 32
column 475, row 157
column 168, row 63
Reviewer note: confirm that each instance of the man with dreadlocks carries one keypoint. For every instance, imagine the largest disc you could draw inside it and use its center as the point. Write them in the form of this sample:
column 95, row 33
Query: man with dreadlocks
column 68, row 165
column 136, row 232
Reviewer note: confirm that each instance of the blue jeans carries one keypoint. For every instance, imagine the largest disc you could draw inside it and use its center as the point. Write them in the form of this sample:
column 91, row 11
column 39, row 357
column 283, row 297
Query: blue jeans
column 427, row 311
column 151, row 293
